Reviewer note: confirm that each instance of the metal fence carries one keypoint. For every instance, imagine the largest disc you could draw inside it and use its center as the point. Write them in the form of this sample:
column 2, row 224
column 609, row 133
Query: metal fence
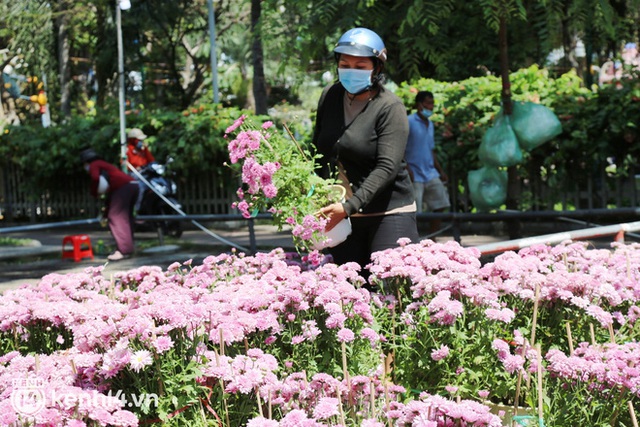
column 202, row 194
column 65, row 199
column 596, row 190
column 213, row 194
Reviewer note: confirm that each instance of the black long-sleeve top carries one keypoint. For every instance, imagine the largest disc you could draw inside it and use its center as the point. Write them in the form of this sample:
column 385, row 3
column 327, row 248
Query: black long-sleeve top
column 371, row 150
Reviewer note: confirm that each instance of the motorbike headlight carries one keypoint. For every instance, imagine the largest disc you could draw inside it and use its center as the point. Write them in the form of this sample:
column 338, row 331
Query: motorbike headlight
column 158, row 168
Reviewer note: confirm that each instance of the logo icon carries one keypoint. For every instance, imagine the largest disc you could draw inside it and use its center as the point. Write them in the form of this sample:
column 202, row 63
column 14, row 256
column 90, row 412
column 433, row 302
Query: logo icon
column 27, row 397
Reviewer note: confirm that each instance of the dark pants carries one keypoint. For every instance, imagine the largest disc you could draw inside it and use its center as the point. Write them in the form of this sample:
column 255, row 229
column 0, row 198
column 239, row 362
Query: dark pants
column 120, row 214
column 373, row 234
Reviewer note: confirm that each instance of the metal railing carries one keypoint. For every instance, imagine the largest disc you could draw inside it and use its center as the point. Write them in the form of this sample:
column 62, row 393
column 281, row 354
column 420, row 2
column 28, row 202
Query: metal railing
column 617, row 230
column 590, row 230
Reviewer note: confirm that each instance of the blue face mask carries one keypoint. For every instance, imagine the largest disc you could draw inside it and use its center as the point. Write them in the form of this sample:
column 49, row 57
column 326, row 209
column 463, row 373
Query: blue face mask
column 354, row 81
column 426, row 113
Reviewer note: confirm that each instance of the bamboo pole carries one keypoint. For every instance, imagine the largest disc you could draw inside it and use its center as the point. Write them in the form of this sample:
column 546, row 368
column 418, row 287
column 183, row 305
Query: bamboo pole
column 386, row 392
column 518, row 386
column 515, row 403
column 535, row 315
column 540, row 399
column 259, row 401
column 372, row 399
column 342, row 421
column 612, row 335
column 632, row 412
column 225, row 404
column 534, row 325
column 569, row 339
column 345, row 371
column 112, row 287
column 256, row 389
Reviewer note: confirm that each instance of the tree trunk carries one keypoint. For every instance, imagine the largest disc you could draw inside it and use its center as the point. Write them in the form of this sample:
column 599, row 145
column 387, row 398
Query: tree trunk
column 588, row 46
column 103, row 69
column 2, row 116
column 64, row 65
column 259, row 83
column 513, row 190
column 504, row 67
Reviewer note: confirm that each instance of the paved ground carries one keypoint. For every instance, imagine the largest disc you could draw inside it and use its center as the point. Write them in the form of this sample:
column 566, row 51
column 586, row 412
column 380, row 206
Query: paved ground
column 28, row 264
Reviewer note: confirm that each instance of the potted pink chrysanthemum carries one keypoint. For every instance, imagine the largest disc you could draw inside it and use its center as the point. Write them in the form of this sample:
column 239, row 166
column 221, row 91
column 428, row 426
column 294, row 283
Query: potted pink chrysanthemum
column 278, row 176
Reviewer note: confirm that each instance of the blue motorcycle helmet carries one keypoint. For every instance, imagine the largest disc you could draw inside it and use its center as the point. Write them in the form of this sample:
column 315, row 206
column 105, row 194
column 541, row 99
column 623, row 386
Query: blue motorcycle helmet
column 361, row 42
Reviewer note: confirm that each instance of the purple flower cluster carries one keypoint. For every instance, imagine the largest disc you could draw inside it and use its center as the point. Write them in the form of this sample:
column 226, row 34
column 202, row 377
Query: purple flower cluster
column 597, row 282
column 608, row 369
column 120, row 327
column 278, row 176
column 303, row 343
column 68, row 396
column 258, row 177
column 449, row 290
column 437, row 411
column 600, row 284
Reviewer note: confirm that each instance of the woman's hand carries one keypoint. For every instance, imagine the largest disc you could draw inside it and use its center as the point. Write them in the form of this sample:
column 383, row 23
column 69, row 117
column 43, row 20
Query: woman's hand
column 334, row 213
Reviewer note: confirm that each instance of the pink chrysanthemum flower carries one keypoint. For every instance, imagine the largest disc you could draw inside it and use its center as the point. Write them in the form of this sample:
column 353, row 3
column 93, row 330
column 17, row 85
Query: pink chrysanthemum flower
column 327, row 407
column 236, row 124
column 345, row 335
column 140, row 359
column 162, row 344
column 440, row 353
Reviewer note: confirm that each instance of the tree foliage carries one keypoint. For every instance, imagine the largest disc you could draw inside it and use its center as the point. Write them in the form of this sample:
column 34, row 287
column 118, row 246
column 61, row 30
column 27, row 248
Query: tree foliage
column 167, row 44
column 599, row 130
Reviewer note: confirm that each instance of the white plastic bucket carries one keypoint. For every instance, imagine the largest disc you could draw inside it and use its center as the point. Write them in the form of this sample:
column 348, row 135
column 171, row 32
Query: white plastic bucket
column 103, row 185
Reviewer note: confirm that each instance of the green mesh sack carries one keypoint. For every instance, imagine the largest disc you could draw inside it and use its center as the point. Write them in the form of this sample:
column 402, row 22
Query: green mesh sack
column 534, row 124
column 499, row 146
column 487, row 187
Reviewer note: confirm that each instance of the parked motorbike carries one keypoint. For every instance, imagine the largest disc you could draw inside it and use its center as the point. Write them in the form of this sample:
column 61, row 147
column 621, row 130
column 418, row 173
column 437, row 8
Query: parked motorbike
column 152, row 204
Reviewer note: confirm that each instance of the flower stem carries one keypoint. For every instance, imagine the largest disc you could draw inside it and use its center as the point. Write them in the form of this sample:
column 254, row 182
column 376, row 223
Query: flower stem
column 294, row 141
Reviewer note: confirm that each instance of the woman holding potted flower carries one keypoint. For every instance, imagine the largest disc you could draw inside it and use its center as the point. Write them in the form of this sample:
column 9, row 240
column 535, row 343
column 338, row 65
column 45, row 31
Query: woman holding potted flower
column 361, row 132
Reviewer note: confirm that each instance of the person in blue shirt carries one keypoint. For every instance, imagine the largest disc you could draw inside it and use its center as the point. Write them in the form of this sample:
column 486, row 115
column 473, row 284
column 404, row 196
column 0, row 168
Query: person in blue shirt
column 425, row 171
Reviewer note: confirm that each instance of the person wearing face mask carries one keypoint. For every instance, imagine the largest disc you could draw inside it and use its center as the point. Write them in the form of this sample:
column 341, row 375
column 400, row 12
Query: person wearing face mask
column 361, row 132
column 120, row 191
column 138, row 156
column 138, row 153
column 426, row 173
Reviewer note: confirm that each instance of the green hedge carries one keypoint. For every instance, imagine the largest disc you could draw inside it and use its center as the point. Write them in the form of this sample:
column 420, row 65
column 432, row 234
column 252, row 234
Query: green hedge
column 600, row 128
column 194, row 138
